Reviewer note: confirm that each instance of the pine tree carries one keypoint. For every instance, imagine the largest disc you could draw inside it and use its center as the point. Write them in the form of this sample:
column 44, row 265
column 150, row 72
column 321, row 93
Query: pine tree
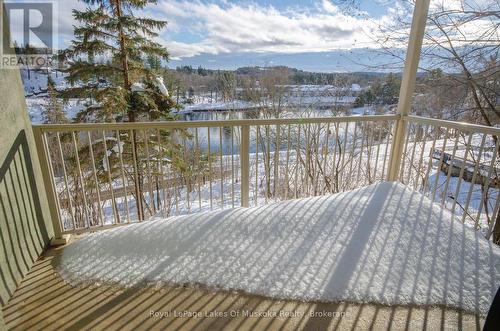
column 108, row 65
column 107, row 61
column 28, row 50
column 153, row 62
column 54, row 112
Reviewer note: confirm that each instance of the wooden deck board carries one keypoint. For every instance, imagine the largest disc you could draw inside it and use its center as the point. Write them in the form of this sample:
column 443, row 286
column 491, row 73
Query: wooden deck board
column 44, row 301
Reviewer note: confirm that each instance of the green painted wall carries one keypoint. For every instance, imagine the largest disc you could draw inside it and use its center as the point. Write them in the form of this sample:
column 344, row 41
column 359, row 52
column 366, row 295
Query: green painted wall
column 25, row 227
column 2, row 323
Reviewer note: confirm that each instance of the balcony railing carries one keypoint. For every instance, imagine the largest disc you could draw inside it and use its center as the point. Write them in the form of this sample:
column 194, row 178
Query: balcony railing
column 455, row 165
column 103, row 175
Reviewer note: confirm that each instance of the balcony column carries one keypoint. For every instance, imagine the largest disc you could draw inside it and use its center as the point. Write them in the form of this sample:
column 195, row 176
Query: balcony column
column 418, row 24
column 49, row 186
column 245, row 165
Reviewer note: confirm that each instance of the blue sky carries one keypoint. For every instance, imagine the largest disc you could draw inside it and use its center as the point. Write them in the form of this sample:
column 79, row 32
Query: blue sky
column 313, row 35
column 317, row 35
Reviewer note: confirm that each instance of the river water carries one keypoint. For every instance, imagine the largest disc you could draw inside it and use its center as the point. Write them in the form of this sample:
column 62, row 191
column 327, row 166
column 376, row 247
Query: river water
column 227, row 138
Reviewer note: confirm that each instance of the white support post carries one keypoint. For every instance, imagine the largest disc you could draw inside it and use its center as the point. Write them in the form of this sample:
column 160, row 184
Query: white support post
column 408, row 84
column 49, row 187
column 245, row 165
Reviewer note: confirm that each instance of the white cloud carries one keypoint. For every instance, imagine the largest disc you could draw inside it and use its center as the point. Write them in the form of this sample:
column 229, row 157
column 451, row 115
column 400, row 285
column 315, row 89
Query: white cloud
column 459, row 29
column 477, row 5
column 231, row 27
column 225, row 27
column 64, row 18
column 330, row 7
column 208, row 27
column 179, row 50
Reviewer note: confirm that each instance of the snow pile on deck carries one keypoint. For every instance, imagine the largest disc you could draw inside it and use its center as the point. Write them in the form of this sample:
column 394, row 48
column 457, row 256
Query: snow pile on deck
column 383, row 243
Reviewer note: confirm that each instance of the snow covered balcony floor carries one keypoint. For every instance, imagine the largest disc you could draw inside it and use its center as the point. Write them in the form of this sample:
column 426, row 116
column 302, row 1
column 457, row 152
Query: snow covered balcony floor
column 380, row 257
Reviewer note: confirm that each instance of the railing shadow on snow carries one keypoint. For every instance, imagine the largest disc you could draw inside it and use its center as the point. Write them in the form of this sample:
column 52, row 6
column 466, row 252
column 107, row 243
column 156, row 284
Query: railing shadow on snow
column 399, row 245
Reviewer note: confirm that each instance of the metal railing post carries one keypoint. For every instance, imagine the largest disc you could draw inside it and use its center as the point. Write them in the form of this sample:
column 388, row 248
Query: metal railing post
column 49, row 185
column 408, row 84
column 245, row 165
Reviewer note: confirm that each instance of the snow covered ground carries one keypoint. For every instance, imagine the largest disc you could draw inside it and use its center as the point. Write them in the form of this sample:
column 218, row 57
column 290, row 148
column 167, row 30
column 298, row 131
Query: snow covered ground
column 204, row 104
column 383, row 243
column 443, row 188
column 38, row 104
column 315, row 96
column 35, row 88
column 35, row 82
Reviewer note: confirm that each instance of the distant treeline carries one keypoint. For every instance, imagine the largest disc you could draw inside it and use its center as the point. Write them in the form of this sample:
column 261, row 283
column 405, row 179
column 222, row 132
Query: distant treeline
column 297, row 76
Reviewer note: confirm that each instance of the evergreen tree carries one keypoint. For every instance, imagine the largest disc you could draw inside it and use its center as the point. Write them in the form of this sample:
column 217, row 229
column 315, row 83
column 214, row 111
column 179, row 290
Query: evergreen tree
column 390, row 89
column 153, row 62
column 108, row 65
column 28, row 50
column 107, row 62
column 54, row 112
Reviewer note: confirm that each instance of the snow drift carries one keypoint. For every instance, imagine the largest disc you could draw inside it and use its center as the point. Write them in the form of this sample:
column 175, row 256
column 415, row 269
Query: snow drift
column 384, row 243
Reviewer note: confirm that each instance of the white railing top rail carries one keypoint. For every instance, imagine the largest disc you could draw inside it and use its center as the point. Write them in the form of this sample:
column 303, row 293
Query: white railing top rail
column 271, row 121
column 205, row 124
column 474, row 128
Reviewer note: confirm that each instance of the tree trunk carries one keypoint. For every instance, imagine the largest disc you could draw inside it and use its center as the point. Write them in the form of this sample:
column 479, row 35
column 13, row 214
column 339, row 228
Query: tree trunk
column 123, row 53
column 131, row 112
column 496, row 229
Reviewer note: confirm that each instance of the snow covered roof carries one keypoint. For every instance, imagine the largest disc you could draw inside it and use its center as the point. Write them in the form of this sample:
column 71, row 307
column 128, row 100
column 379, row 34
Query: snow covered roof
column 383, row 243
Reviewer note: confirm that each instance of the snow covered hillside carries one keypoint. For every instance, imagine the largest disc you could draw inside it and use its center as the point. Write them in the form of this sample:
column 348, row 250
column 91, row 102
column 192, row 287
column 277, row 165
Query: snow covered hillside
column 315, row 96
column 383, row 243
column 35, row 88
column 35, row 82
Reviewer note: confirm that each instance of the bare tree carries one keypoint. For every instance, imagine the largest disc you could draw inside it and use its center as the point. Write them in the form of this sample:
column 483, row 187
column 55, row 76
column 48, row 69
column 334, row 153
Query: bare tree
column 460, row 56
column 461, row 39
